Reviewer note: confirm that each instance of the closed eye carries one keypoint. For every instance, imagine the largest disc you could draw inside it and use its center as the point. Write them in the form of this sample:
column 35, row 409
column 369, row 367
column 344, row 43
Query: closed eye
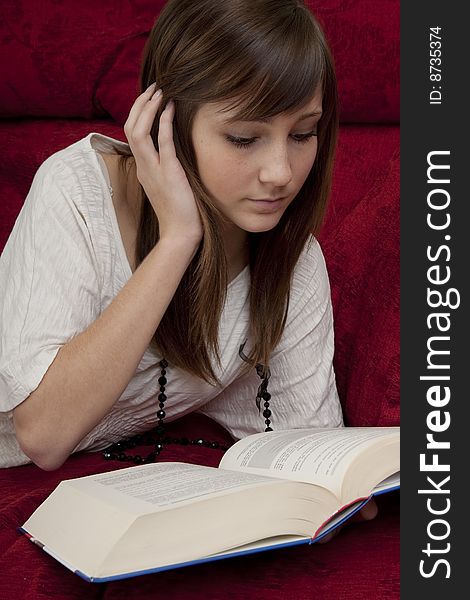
column 303, row 137
column 299, row 138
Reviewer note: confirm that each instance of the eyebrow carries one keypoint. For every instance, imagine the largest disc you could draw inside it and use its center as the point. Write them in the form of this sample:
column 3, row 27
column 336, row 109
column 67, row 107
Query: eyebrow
column 267, row 120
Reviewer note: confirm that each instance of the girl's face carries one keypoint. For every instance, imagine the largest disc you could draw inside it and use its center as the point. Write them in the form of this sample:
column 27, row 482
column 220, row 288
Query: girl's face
column 243, row 162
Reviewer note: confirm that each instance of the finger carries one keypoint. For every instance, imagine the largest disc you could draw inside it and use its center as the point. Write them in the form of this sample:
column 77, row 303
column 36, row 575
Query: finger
column 143, row 125
column 367, row 512
column 139, row 103
column 140, row 139
column 166, row 144
column 329, row 536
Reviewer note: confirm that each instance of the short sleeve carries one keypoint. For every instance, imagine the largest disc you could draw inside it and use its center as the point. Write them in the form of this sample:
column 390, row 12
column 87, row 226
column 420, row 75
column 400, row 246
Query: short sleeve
column 49, row 283
column 302, row 383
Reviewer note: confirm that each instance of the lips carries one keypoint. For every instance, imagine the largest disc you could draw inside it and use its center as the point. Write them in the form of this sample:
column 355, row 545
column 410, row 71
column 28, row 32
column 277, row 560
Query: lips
column 268, row 205
column 266, row 199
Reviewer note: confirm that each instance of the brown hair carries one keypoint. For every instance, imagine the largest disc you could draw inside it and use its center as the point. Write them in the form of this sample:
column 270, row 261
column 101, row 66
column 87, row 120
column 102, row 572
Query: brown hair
column 266, row 57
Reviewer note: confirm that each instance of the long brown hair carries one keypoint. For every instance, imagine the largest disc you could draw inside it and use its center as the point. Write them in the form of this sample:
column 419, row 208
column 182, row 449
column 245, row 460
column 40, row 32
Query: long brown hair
column 266, row 57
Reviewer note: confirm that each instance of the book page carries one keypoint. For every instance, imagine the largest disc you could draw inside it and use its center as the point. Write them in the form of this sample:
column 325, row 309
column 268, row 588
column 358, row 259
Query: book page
column 148, row 488
column 319, row 456
column 389, row 483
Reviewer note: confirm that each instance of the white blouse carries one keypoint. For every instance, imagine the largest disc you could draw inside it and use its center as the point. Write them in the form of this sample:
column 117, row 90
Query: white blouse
column 63, row 264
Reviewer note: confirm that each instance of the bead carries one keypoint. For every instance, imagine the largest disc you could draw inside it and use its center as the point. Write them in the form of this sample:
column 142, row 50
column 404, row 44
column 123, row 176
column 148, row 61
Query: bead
column 116, row 451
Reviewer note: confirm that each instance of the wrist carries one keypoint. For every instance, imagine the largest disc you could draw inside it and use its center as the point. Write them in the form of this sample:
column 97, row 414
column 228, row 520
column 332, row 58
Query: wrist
column 181, row 243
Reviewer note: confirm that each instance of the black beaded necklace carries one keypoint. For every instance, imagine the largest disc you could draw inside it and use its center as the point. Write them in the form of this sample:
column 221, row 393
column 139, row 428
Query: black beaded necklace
column 117, row 451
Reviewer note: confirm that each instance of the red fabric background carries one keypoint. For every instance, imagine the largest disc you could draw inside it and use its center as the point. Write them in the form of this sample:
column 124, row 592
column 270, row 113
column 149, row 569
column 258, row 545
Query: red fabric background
column 360, row 241
column 72, row 68
column 55, row 74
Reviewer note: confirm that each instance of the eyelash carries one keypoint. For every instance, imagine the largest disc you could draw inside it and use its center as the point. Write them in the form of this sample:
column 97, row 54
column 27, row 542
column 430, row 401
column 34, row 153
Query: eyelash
column 247, row 142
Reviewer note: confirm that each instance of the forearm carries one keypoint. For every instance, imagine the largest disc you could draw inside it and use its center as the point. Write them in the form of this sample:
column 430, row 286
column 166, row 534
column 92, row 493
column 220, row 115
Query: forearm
column 93, row 369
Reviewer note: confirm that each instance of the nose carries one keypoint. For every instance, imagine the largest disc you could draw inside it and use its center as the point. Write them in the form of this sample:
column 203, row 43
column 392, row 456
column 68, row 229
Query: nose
column 276, row 168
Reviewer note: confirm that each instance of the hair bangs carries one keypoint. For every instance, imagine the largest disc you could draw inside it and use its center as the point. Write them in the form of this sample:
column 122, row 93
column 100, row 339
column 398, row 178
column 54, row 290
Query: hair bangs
column 283, row 72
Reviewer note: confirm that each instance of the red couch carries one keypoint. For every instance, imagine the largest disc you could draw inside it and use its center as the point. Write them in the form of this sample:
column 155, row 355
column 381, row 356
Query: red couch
column 71, row 68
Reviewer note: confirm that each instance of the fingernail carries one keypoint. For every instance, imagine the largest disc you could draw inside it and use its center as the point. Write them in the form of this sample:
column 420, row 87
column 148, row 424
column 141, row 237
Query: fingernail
column 158, row 93
column 152, row 85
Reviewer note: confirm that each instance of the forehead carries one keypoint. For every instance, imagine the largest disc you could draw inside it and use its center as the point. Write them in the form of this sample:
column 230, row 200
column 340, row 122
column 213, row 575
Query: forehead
column 220, row 112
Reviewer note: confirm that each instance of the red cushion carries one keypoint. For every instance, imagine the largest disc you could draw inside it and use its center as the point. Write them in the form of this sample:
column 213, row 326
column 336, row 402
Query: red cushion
column 364, row 36
column 360, row 241
column 56, row 74
column 63, row 50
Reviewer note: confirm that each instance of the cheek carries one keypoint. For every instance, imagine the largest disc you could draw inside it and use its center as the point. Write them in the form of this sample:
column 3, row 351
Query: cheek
column 304, row 165
column 302, row 170
column 210, row 155
column 217, row 168
column 222, row 166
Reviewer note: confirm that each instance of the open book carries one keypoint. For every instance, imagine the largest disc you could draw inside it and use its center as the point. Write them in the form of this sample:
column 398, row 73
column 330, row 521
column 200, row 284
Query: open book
column 270, row 490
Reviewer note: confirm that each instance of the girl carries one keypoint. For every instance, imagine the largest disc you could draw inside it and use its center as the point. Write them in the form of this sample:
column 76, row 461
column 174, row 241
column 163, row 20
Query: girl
column 143, row 281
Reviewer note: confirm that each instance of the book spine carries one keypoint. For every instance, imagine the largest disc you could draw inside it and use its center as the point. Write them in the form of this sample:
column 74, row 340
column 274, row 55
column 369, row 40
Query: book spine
column 51, row 553
column 31, row 538
column 360, row 502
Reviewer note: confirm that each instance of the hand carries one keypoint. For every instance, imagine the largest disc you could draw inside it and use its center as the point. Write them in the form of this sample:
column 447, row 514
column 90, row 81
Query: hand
column 367, row 513
column 160, row 173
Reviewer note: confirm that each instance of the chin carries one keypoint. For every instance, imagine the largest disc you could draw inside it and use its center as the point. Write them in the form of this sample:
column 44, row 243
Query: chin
column 258, row 223
column 262, row 227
